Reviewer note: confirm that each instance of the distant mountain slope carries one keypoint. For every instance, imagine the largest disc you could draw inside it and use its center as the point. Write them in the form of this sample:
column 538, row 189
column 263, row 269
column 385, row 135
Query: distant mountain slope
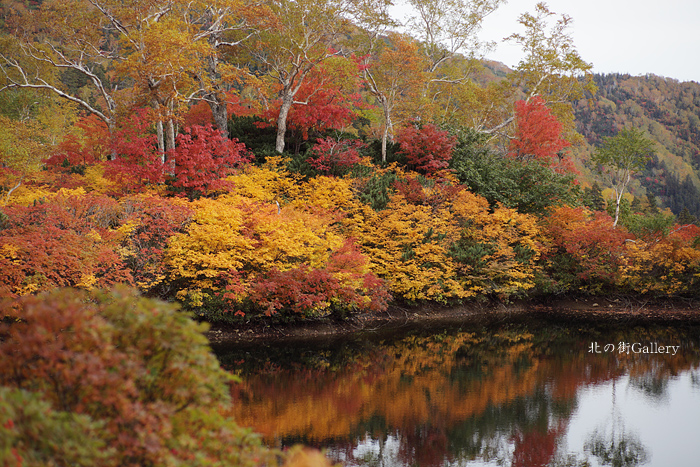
column 669, row 111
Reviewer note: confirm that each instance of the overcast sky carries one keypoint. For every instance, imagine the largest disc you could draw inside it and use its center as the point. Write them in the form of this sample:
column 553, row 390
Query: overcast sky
column 616, row 36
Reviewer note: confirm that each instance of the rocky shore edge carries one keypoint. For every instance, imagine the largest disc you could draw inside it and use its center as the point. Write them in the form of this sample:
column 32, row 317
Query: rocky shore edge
column 621, row 310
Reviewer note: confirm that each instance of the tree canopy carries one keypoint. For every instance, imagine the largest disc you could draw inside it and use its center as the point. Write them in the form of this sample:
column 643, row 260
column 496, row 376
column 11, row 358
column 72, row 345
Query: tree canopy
column 620, row 156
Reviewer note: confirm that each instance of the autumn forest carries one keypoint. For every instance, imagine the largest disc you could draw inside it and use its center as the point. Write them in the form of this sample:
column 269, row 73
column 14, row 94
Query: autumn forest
column 302, row 158
column 284, row 160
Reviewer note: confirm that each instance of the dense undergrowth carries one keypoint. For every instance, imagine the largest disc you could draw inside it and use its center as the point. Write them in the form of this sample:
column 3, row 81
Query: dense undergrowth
column 114, row 379
column 332, row 231
column 229, row 235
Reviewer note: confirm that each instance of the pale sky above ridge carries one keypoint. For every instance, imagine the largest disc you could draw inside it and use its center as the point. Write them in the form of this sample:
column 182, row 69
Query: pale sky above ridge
column 616, row 36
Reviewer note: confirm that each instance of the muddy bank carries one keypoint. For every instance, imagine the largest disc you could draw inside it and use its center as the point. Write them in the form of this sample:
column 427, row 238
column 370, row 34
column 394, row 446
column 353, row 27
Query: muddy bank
column 623, row 310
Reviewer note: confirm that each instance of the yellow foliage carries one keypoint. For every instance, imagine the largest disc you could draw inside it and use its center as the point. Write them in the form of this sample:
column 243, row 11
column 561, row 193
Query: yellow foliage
column 9, row 251
column 467, row 206
column 67, row 192
column 269, row 183
column 27, row 195
column 300, row 456
column 508, row 228
column 272, row 183
column 240, row 234
column 21, row 145
column 214, row 242
column 326, row 193
column 407, row 245
column 125, row 230
column 512, row 239
column 87, row 281
column 272, row 219
column 57, row 118
column 452, row 250
column 669, row 265
column 96, row 181
column 94, row 236
column 31, row 284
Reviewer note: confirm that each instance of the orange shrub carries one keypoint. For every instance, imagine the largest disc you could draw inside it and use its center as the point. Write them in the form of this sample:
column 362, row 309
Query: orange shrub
column 586, row 252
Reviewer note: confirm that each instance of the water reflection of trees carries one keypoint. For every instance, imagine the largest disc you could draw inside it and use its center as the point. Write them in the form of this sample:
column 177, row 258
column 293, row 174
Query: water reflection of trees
column 504, row 395
column 624, row 450
column 695, row 379
column 653, row 383
column 620, row 448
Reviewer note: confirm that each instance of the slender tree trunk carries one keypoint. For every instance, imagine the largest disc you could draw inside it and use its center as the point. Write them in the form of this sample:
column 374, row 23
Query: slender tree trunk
column 111, row 127
column 617, row 209
column 9, row 193
column 169, row 147
column 287, row 100
column 170, row 136
column 215, row 97
column 159, row 133
column 618, row 196
column 384, row 137
column 387, row 126
column 218, row 109
column 161, row 140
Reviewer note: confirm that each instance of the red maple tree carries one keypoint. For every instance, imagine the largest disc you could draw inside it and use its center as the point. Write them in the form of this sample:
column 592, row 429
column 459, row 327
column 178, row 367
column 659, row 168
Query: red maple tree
column 538, row 134
column 203, row 157
column 427, row 148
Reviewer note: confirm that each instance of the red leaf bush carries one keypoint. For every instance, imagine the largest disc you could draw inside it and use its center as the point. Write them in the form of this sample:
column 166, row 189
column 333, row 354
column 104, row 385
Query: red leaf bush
column 427, row 148
column 331, row 156
column 203, row 158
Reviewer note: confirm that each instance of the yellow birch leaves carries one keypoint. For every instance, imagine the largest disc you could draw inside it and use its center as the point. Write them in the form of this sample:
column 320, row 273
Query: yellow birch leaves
column 436, row 242
column 450, row 246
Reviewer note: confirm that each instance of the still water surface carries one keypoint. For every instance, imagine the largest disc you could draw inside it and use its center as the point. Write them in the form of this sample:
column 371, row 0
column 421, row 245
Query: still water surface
column 498, row 395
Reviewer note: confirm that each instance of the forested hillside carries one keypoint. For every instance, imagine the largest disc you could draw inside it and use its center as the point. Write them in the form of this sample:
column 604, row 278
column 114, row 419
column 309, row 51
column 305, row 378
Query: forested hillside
column 669, row 111
column 304, row 159
column 289, row 160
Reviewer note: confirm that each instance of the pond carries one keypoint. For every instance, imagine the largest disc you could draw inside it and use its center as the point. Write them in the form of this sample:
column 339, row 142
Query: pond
column 509, row 394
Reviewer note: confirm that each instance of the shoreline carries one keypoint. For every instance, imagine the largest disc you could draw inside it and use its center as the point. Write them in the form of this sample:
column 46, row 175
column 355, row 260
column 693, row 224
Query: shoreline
column 618, row 310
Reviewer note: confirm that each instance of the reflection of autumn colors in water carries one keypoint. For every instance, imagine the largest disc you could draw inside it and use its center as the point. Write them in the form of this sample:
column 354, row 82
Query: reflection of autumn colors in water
column 503, row 395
